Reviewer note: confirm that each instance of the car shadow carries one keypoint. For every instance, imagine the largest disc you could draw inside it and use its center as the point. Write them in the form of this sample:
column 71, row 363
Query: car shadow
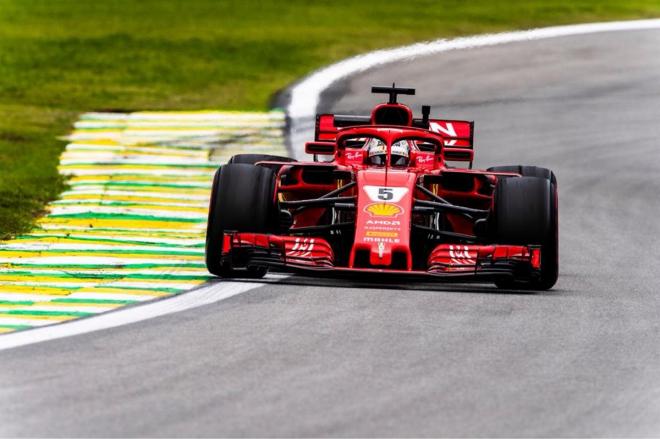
column 371, row 282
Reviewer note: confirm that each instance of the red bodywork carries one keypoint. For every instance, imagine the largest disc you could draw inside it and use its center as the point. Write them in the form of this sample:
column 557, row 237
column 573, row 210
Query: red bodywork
column 423, row 219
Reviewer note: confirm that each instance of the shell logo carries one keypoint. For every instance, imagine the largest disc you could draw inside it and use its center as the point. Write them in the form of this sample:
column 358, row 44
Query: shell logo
column 383, row 209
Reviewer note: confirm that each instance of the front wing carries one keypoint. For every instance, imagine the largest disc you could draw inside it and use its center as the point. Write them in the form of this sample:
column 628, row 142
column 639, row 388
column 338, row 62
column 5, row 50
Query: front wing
column 455, row 262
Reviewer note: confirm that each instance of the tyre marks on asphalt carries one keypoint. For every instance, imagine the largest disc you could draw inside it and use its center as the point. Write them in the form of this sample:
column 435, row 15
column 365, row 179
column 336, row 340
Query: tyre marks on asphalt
column 131, row 226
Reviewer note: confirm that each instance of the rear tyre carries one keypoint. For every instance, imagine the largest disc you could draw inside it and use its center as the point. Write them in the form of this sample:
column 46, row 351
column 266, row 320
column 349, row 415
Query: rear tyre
column 251, row 159
column 526, row 213
column 214, row 234
column 527, row 171
column 242, row 200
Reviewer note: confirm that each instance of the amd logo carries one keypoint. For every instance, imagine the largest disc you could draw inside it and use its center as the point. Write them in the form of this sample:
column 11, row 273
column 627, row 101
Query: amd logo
column 383, row 223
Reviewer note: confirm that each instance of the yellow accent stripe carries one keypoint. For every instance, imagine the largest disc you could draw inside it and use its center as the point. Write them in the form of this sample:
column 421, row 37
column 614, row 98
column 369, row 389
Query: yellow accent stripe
column 138, row 177
column 129, row 198
column 37, row 317
column 45, row 290
column 126, row 224
column 100, row 254
column 109, row 291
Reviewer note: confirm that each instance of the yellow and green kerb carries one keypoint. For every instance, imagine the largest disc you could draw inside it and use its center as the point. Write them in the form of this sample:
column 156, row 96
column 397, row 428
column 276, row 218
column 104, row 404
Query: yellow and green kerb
column 131, row 226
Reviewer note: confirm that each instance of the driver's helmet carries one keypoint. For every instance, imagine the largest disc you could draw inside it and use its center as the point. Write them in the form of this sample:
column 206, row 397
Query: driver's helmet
column 400, row 153
column 376, row 152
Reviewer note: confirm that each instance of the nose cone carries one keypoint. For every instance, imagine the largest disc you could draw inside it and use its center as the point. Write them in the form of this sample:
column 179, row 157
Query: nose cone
column 382, row 232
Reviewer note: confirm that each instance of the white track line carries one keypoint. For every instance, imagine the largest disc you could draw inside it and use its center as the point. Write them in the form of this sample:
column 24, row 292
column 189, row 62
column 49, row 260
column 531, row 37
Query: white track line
column 304, row 99
column 306, row 94
column 203, row 296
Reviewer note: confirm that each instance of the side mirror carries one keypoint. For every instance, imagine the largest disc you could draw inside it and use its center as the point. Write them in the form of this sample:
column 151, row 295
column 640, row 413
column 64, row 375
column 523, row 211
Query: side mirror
column 458, row 154
column 320, row 148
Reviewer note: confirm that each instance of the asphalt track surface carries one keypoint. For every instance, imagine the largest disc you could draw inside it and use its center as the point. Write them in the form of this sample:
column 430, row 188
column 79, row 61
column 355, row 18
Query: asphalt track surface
column 307, row 357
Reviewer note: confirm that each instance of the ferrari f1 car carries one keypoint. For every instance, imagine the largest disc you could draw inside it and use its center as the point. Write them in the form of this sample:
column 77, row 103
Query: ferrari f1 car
column 387, row 198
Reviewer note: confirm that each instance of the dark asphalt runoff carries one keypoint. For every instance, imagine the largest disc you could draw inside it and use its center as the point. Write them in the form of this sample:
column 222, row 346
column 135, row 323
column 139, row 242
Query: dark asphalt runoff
column 310, row 357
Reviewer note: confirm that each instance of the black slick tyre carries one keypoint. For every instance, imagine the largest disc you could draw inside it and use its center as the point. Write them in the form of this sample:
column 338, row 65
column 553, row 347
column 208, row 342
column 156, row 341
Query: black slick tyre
column 242, row 200
column 251, row 159
column 527, row 171
column 525, row 212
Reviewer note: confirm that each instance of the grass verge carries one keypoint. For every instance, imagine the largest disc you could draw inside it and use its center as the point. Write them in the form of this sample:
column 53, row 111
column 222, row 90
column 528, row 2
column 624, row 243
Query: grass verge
column 60, row 58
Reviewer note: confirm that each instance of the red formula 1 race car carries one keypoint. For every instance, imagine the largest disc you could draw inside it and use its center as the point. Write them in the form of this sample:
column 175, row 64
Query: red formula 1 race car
column 386, row 201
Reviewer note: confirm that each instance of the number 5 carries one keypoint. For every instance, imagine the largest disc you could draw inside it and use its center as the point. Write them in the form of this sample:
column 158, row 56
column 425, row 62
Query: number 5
column 385, row 194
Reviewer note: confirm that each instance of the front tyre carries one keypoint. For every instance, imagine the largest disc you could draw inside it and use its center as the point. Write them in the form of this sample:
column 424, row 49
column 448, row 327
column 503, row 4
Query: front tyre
column 525, row 212
column 242, row 200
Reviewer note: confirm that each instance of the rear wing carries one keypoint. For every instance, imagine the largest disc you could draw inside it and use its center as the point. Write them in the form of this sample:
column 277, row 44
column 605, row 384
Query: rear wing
column 458, row 135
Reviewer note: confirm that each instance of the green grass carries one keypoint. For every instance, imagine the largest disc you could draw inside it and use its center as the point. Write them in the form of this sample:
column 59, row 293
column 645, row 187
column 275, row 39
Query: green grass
column 59, row 58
